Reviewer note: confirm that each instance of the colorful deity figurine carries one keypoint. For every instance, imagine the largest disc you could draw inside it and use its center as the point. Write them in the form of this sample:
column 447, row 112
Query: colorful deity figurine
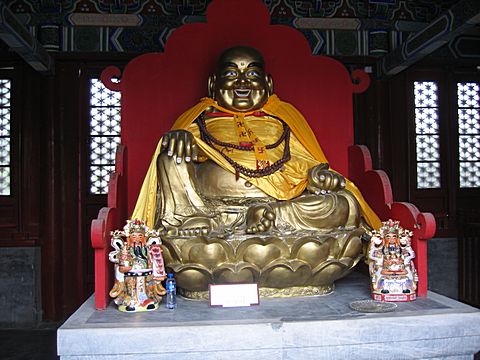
column 139, row 267
column 392, row 271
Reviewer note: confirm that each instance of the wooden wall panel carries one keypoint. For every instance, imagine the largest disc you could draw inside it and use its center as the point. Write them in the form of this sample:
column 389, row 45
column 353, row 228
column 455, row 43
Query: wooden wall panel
column 19, row 212
column 468, row 250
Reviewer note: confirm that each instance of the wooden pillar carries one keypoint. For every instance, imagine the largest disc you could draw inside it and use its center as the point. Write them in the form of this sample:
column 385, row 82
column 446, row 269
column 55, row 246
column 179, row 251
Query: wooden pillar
column 63, row 258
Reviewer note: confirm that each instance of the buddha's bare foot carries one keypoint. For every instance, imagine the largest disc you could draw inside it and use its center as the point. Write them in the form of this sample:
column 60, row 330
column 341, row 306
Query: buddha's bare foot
column 194, row 226
column 260, row 218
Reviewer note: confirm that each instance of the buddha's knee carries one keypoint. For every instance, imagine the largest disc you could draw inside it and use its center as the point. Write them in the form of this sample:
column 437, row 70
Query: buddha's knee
column 325, row 211
column 350, row 207
column 336, row 210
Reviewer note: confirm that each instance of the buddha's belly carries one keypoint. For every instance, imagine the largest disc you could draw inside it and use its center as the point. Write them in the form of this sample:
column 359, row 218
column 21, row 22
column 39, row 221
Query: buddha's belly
column 215, row 182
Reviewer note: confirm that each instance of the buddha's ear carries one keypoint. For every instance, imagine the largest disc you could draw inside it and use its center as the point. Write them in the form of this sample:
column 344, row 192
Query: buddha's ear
column 269, row 81
column 211, row 86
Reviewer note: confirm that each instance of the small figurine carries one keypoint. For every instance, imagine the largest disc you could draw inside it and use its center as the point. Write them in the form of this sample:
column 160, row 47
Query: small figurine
column 139, row 268
column 392, row 271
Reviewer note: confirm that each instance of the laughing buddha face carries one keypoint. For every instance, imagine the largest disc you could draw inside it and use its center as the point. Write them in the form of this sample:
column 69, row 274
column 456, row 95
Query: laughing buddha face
column 240, row 83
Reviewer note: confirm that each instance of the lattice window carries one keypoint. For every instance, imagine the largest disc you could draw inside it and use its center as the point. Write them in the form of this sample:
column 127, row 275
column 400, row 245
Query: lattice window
column 5, row 109
column 427, row 134
column 469, row 134
column 104, row 134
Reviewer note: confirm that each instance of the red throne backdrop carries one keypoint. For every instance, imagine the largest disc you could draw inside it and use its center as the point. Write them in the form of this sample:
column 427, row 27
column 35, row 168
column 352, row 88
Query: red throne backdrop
column 157, row 87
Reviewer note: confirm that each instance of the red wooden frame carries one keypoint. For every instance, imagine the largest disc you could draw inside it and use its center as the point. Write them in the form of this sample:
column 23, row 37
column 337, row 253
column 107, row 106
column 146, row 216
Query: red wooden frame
column 157, row 87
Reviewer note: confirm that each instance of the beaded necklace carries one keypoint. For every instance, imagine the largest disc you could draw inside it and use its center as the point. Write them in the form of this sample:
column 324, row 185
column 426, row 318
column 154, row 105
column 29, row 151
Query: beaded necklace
column 255, row 173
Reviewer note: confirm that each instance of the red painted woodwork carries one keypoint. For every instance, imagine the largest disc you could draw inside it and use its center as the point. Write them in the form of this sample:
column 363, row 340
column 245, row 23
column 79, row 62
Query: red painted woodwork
column 109, row 218
column 157, row 87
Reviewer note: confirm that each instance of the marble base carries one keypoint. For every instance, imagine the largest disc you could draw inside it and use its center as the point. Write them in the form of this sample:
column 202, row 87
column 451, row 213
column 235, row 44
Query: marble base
column 322, row 327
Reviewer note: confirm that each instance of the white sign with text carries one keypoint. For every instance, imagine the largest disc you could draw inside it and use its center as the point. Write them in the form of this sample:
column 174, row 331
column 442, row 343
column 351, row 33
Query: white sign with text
column 234, row 295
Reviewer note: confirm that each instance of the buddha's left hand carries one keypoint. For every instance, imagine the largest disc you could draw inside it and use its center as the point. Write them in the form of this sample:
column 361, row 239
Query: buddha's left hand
column 180, row 145
column 322, row 180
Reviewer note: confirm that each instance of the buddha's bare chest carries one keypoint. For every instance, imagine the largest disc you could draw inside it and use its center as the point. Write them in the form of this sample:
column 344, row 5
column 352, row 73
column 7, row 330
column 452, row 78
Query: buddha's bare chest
column 214, row 181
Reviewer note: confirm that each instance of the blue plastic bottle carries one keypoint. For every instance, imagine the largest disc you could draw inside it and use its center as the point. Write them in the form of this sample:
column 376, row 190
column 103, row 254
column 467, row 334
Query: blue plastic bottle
column 171, row 286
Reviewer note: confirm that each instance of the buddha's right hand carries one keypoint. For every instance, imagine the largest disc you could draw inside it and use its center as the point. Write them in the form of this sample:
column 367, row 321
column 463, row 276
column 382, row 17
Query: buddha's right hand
column 179, row 144
column 321, row 180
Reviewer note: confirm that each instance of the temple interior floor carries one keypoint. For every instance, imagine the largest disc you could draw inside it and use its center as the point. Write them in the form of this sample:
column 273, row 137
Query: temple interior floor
column 33, row 343
column 433, row 327
column 40, row 340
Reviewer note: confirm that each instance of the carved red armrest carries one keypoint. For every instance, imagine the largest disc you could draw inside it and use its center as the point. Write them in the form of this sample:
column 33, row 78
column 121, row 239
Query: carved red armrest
column 109, row 218
column 377, row 191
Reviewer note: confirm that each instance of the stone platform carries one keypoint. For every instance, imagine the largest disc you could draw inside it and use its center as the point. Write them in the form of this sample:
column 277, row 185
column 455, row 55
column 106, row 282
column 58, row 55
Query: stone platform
column 323, row 327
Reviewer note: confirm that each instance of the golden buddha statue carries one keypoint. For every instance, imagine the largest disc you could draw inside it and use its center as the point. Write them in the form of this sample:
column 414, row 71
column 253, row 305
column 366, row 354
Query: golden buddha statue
column 243, row 192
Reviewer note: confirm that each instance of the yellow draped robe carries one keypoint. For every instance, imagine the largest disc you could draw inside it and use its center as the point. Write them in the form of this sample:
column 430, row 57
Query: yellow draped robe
column 282, row 185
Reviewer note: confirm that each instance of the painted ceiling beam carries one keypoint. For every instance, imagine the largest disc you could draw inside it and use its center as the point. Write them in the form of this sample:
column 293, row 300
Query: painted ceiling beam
column 453, row 22
column 19, row 39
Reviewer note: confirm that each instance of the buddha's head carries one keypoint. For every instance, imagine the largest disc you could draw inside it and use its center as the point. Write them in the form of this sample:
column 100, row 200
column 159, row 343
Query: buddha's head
column 240, row 82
